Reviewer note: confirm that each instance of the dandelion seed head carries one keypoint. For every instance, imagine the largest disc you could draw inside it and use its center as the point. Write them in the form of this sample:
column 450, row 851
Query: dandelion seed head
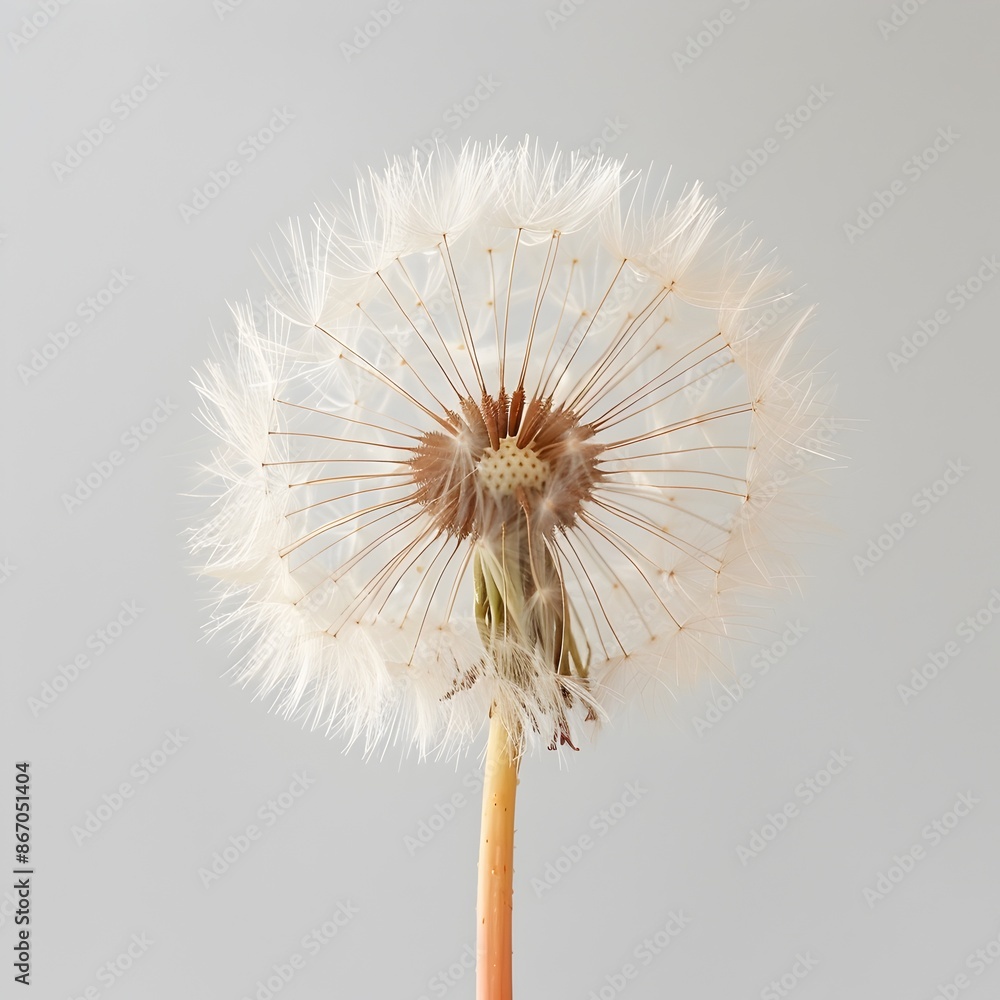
column 515, row 436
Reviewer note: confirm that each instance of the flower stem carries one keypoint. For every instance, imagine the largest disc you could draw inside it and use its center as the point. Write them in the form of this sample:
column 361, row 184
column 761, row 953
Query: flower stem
column 496, row 864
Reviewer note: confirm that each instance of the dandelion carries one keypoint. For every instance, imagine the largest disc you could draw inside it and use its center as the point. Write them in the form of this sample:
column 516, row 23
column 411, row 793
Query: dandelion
column 517, row 433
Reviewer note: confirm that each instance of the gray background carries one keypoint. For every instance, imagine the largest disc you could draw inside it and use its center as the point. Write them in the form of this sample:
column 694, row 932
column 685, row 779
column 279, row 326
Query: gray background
column 889, row 93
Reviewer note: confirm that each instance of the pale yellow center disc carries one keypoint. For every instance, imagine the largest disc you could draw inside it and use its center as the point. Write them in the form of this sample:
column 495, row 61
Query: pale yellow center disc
column 504, row 470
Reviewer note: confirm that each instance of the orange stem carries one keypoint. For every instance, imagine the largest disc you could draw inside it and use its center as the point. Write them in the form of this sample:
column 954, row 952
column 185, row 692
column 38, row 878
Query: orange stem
column 496, row 866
